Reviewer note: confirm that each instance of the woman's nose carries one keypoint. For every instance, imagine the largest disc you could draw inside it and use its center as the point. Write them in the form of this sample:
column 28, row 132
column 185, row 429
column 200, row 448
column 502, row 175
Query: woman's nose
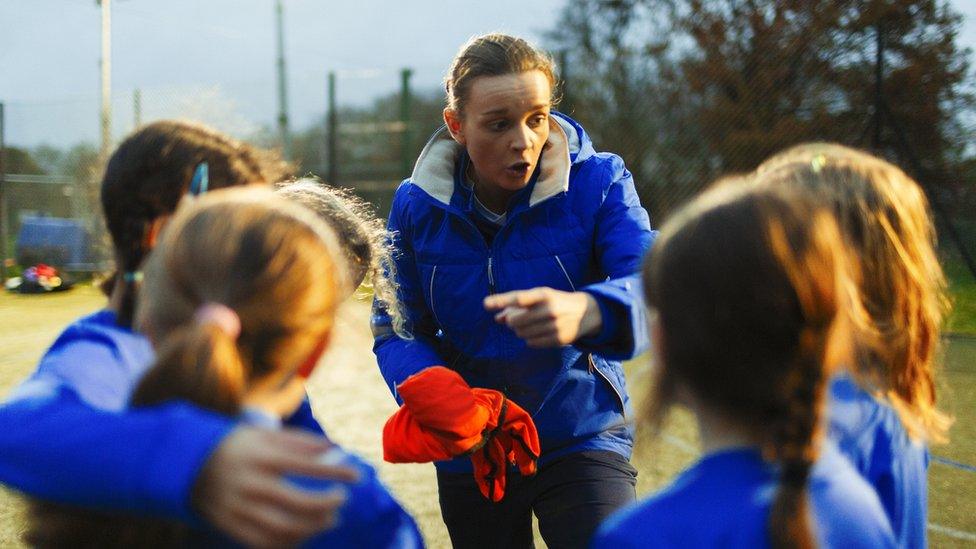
column 523, row 139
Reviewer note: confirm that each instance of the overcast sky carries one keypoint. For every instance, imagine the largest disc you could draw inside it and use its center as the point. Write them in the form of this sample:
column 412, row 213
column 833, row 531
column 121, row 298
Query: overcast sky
column 215, row 59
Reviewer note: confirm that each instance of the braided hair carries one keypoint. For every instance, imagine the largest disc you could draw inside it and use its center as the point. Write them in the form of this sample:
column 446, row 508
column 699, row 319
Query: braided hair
column 150, row 172
column 749, row 288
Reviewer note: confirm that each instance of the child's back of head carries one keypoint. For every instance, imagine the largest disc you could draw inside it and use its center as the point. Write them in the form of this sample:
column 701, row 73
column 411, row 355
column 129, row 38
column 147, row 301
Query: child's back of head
column 884, row 218
column 152, row 170
column 748, row 291
column 239, row 299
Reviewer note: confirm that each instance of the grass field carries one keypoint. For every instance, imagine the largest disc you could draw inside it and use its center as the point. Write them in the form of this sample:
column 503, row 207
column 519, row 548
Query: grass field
column 962, row 288
column 352, row 402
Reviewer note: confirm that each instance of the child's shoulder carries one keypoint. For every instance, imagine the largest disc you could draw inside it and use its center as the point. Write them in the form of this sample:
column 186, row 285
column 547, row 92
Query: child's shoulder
column 98, row 329
column 370, row 516
column 720, row 500
column 97, row 359
column 849, row 513
column 866, row 429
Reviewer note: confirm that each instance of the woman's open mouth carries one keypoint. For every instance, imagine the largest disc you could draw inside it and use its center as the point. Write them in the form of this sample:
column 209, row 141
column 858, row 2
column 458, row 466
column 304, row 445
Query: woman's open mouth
column 518, row 169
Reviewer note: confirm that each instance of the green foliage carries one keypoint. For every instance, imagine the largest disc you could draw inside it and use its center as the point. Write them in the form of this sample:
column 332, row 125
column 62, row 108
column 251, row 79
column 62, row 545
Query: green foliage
column 20, row 161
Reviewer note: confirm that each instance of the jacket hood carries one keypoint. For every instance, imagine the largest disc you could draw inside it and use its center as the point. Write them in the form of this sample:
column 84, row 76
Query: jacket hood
column 568, row 144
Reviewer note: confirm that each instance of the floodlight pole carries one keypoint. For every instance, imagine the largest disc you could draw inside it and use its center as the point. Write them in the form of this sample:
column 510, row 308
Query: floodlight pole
column 137, row 109
column 282, row 84
column 332, row 126
column 106, row 66
column 3, row 205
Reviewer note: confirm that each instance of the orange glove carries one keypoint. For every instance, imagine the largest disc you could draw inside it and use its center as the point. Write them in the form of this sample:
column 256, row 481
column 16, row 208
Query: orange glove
column 442, row 417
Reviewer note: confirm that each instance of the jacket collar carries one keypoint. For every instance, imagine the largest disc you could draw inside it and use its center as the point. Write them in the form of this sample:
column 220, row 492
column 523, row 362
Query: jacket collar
column 435, row 168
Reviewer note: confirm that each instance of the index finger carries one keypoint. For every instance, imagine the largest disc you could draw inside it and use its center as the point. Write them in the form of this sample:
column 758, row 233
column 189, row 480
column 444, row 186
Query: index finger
column 517, row 298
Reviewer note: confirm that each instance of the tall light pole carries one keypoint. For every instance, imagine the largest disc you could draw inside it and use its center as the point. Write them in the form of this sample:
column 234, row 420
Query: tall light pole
column 106, row 66
column 282, row 86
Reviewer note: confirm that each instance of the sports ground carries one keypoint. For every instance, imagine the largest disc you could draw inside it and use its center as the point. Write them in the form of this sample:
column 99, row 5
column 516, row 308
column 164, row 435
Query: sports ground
column 352, row 402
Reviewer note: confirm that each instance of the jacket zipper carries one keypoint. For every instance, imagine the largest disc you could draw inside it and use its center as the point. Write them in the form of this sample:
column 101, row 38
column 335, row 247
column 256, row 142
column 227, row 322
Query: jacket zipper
column 566, row 273
column 433, row 310
column 599, row 372
column 491, row 278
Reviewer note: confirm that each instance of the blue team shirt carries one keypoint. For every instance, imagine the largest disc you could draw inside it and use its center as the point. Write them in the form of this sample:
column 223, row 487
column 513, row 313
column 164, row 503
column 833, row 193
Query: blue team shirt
column 95, row 357
column 724, row 501
column 102, row 362
column 370, row 518
column 67, row 436
column 870, row 434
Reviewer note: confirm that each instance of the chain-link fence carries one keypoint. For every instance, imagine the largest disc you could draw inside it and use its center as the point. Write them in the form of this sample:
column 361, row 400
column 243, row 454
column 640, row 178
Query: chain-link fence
column 681, row 108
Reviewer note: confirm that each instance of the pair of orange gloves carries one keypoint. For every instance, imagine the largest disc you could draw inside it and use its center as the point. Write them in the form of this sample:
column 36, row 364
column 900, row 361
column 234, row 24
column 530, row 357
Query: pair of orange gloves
column 442, row 418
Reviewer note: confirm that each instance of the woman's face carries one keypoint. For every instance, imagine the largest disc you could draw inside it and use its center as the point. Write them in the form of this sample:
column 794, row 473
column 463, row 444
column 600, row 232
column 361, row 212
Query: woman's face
column 504, row 126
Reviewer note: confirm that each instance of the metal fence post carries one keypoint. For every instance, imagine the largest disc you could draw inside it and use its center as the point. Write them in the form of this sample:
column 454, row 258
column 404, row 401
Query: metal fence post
column 3, row 203
column 332, row 175
column 406, row 153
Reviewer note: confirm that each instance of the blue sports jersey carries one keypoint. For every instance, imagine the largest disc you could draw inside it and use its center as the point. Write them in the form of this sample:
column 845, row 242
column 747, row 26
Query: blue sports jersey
column 370, row 518
column 66, row 436
column 724, row 501
column 870, row 434
column 98, row 359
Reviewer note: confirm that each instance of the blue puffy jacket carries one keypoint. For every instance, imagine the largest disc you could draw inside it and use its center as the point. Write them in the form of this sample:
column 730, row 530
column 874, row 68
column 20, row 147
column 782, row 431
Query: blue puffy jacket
column 578, row 225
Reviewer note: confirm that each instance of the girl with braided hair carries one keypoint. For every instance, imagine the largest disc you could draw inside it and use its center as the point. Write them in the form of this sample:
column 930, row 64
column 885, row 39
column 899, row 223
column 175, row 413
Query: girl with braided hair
column 746, row 291
column 239, row 300
column 68, row 415
column 883, row 409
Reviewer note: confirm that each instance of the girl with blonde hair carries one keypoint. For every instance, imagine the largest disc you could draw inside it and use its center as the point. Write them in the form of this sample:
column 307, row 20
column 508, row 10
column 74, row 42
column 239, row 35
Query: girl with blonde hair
column 883, row 409
column 747, row 292
column 239, row 301
column 87, row 376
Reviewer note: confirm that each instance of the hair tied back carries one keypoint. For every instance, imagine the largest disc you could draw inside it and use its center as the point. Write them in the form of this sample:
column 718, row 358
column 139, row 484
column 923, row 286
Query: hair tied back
column 221, row 316
column 201, row 179
column 818, row 163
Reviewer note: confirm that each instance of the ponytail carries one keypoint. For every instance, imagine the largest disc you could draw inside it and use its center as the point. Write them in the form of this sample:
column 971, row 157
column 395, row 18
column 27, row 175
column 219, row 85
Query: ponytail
column 200, row 363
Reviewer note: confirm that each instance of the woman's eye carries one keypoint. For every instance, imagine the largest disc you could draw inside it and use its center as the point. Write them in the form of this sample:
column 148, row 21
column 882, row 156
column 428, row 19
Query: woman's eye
column 536, row 121
column 498, row 125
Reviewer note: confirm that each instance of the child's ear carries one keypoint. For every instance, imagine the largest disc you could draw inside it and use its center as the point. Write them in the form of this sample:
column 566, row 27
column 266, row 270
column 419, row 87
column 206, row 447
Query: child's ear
column 153, row 230
column 453, row 121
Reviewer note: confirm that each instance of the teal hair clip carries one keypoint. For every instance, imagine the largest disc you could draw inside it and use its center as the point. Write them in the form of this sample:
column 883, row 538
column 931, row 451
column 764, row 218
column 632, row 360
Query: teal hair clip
column 201, row 179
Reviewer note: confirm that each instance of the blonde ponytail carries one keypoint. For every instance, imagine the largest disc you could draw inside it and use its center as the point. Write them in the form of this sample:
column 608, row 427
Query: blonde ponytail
column 242, row 288
column 201, row 364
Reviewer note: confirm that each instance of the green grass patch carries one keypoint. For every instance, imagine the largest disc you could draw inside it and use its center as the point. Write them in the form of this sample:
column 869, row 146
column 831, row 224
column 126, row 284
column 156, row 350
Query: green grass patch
column 962, row 291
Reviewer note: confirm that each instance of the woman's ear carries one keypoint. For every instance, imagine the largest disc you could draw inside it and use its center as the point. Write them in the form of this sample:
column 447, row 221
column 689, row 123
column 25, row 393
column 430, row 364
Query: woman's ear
column 453, row 121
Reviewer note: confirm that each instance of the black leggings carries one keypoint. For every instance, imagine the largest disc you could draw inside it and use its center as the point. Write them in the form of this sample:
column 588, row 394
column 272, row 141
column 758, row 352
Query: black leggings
column 570, row 496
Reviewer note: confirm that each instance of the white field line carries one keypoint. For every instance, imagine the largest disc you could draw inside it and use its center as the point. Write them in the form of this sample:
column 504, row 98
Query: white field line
column 952, row 532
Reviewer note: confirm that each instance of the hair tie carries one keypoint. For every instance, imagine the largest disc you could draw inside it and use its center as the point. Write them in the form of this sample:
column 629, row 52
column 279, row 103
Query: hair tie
column 818, row 163
column 220, row 315
column 132, row 276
